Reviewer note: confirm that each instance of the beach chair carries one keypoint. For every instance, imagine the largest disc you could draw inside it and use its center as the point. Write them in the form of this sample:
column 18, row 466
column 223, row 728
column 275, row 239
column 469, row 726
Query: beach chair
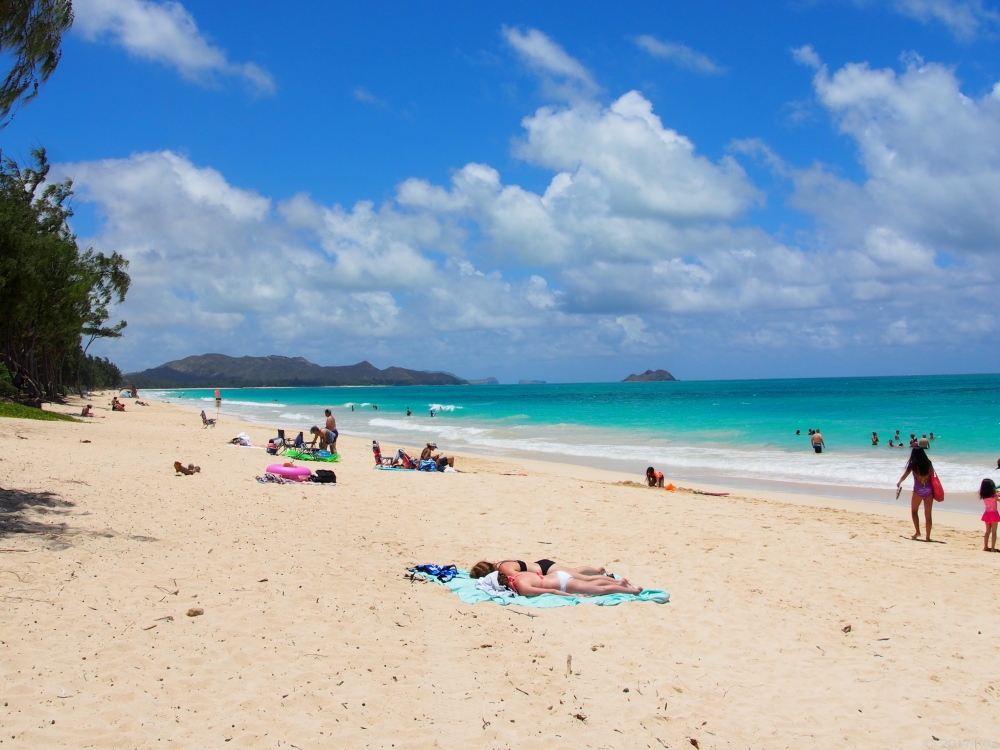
column 380, row 460
column 205, row 421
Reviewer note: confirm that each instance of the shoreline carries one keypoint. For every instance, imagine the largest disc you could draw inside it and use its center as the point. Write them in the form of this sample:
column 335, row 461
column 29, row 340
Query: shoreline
column 833, row 496
column 801, row 495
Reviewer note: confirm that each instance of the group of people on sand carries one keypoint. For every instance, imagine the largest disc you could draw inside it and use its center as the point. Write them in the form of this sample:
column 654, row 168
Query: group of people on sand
column 924, row 441
column 403, row 460
column 549, row 577
column 326, row 437
column 924, row 481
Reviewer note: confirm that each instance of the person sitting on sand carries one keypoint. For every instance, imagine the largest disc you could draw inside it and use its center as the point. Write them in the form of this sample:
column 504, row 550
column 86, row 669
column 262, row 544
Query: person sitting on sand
column 542, row 567
column 654, row 478
column 88, row 411
column 922, row 469
column 117, row 405
column 561, row 583
column 427, row 454
column 402, row 459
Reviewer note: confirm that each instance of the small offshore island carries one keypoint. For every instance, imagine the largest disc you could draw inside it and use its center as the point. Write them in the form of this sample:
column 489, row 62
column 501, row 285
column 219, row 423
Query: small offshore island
column 650, row 376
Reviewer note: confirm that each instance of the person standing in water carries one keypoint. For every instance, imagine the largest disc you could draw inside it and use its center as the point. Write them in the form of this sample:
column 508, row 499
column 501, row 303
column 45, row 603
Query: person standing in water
column 922, row 469
column 818, row 443
column 874, row 438
column 408, row 412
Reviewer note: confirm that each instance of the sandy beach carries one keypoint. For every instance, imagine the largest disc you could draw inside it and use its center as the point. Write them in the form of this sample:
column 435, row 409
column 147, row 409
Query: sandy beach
column 312, row 637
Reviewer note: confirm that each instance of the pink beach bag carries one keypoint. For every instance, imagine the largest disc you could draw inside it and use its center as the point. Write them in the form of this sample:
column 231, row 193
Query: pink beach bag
column 936, row 488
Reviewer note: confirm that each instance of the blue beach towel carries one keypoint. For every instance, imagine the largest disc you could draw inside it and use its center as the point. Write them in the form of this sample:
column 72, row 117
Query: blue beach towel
column 443, row 573
column 466, row 589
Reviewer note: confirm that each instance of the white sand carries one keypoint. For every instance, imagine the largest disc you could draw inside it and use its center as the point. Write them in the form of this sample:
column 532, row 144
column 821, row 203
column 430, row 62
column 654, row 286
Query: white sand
column 101, row 542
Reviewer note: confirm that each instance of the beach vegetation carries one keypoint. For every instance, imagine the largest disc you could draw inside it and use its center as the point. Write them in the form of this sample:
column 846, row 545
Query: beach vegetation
column 19, row 411
column 55, row 297
column 30, row 37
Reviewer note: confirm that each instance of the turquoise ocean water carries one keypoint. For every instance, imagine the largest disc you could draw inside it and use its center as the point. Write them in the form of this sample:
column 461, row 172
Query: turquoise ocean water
column 734, row 432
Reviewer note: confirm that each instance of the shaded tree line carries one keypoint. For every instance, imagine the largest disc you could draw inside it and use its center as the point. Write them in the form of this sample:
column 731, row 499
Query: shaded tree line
column 54, row 296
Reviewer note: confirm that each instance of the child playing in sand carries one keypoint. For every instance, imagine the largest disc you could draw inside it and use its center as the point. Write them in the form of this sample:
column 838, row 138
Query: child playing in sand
column 988, row 492
column 654, row 478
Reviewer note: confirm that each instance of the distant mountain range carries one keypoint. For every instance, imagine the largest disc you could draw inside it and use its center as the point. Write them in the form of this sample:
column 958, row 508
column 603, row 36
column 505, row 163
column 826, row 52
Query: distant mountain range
column 221, row 371
column 650, row 376
column 485, row 381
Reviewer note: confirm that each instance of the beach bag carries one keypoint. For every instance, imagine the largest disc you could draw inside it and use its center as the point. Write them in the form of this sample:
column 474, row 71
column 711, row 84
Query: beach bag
column 428, row 466
column 324, row 476
column 936, row 489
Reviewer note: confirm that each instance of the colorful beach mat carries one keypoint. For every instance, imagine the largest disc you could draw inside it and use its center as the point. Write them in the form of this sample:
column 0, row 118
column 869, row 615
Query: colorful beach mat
column 466, row 589
column 312, row 455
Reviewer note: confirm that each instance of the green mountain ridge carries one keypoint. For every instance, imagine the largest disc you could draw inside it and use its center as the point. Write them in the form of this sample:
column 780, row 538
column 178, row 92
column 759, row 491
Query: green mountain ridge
column 222, row 371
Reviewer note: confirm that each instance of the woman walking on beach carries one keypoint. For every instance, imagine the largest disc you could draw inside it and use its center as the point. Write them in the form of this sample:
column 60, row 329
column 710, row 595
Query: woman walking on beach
column 922, row 469
column 988, row 492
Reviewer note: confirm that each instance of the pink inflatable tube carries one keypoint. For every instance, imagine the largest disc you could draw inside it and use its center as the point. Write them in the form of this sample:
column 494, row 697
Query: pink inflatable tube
column 298, row 473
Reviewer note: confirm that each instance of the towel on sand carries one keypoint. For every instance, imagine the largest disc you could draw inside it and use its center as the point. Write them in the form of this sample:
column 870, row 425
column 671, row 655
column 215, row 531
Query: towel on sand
column 466, row 589
column 492, row 587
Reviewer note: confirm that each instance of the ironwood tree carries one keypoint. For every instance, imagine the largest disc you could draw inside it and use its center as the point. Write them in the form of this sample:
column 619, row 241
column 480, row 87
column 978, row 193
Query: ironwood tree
column 52, row 293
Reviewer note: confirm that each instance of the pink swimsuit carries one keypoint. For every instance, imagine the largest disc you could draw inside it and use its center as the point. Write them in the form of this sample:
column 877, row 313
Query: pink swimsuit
column 991, row 515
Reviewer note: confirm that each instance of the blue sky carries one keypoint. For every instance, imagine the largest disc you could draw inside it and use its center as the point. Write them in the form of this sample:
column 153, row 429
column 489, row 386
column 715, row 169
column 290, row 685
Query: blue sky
column 562, row 191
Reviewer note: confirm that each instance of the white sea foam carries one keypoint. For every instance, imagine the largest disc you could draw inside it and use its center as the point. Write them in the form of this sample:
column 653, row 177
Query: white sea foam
column 297, row 417
column 840, row 469
column 442, row 407
column 236, row 402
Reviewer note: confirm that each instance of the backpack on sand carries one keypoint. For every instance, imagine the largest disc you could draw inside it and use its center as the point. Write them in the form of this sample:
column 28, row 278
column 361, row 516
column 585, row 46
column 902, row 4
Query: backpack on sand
column 323, row 476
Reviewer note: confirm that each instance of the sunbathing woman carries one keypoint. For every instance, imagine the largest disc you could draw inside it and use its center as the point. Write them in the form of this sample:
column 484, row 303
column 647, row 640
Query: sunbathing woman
column 561, row 583
column 541, row 567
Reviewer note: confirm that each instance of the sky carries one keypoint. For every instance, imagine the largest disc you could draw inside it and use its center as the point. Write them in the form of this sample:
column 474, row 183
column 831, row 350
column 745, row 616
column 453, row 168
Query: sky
column 563, row 191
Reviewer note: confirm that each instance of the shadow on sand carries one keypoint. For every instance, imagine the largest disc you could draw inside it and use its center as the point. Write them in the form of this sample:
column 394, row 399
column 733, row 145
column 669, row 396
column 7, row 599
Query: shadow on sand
column 19, row 511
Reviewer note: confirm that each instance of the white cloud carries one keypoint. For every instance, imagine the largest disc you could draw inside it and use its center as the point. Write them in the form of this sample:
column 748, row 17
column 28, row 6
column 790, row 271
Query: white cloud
column 563, row 76
column 679, row 54
column 645, row 168
column 366, row 97
column 807, row 56
column 931, row 155
column 636, row 241
column 965, row 18
column 164, row 32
